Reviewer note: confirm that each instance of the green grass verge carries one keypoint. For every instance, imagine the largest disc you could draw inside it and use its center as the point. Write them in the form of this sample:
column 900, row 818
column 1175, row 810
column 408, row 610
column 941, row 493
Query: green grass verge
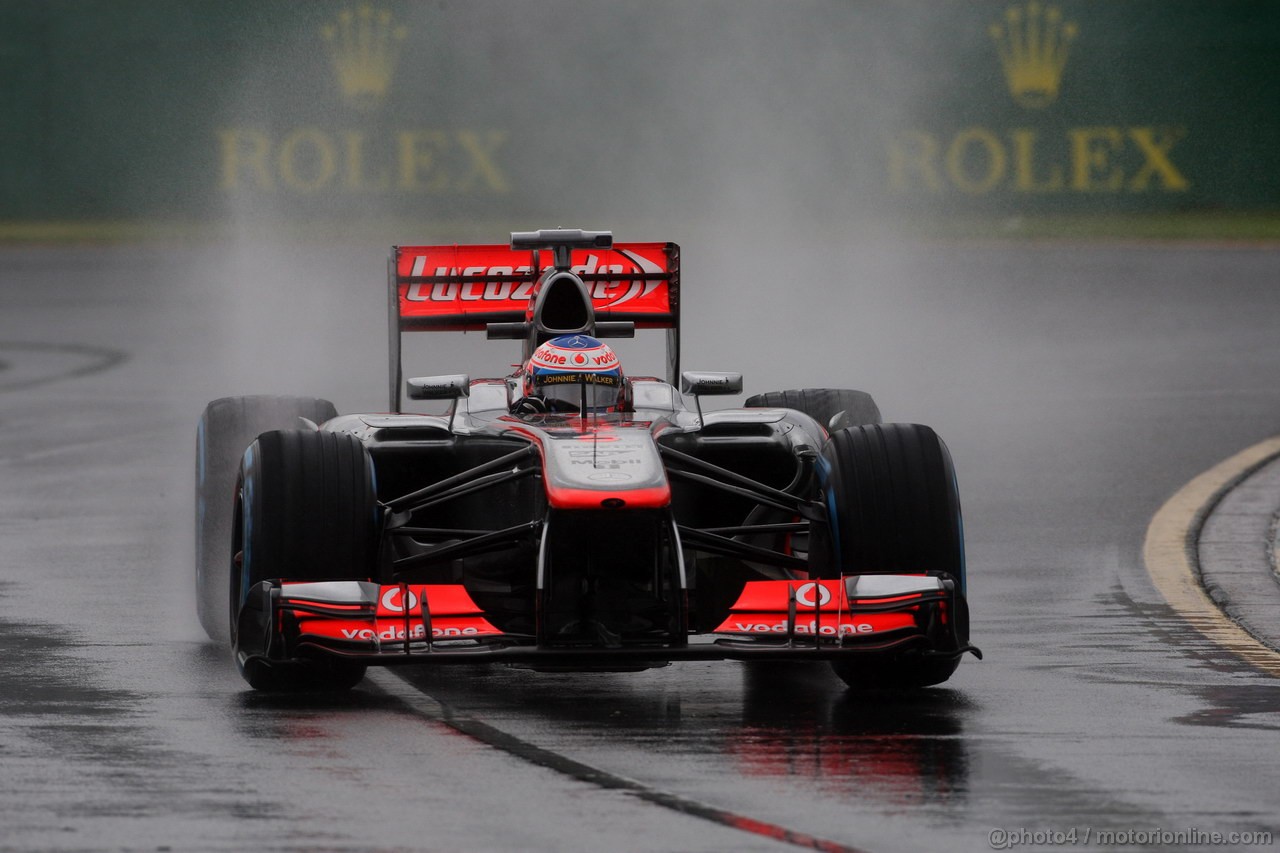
column 1255, row 227
column 1261, row 227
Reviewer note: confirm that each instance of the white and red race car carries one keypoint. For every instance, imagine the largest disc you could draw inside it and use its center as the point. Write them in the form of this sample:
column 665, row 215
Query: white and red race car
column 568, row 516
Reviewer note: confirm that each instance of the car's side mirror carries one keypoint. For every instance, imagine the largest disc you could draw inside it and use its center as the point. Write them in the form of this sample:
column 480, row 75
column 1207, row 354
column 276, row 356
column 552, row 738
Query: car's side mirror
column 701, row 383
column 449, row 387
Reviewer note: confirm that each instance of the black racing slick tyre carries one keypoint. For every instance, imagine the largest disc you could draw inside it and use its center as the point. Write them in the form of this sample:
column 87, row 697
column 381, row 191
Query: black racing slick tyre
column 226, row 428
column 893, row 507
column 853, row 408
column 305, row 510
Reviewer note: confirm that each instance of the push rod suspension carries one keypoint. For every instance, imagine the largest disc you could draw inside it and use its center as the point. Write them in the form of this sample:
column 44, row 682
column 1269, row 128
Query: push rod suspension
column 711, row 543
column 468, row 546
column 740, row 484
column 425, row 494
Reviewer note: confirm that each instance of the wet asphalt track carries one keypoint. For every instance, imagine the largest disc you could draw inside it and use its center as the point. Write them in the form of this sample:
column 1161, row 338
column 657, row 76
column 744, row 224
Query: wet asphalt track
column 1078, row 388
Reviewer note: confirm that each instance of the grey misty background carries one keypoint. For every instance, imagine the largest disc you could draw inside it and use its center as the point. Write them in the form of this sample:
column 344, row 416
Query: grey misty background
column 738, row 130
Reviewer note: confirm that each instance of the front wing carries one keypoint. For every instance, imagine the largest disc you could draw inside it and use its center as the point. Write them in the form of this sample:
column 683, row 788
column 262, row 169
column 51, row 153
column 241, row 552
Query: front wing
column 429, row 624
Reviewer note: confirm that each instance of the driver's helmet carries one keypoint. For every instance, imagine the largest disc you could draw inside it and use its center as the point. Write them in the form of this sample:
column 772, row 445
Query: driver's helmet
column 566, row 369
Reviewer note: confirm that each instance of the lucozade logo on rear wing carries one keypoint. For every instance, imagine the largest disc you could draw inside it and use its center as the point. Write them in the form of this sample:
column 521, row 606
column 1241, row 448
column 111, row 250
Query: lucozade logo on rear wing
column 462, row 286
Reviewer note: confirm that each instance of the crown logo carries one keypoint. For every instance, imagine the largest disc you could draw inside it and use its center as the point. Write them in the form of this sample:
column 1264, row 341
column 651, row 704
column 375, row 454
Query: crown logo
column 363, row 48
column 1033, row 42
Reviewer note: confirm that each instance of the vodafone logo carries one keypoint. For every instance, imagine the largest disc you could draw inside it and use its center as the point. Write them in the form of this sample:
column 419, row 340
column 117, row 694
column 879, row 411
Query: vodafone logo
column 417, row 632
column 391, row 600
column 561, row 354
column 804, row 595
column 800, row 628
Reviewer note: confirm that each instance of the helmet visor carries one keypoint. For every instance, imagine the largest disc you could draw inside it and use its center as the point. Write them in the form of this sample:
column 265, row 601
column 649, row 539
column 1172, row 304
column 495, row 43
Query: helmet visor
column 566, row 391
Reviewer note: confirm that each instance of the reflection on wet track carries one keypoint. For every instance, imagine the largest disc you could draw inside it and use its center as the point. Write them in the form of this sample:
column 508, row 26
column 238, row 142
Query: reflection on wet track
column 906, row 747
column 784, row 724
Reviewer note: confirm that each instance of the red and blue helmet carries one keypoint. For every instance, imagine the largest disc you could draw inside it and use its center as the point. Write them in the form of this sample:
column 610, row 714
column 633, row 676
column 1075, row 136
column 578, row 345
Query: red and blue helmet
column 566, row 370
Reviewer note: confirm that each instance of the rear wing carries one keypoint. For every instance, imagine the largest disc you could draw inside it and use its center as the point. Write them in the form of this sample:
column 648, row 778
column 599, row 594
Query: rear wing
column 495, row 288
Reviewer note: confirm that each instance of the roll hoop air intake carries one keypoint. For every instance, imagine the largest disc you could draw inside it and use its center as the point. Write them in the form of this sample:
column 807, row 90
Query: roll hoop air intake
column 561, row 302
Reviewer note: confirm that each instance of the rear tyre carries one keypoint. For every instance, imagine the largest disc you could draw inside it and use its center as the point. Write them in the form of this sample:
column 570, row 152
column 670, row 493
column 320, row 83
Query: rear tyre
column 893, row 507
column 226, row 428
column 306, row 510
column 834, row 408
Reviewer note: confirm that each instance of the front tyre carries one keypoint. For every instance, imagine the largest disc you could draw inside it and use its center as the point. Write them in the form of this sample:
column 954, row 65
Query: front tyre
column 893, row 507
column 227, row 426
column 306, row 510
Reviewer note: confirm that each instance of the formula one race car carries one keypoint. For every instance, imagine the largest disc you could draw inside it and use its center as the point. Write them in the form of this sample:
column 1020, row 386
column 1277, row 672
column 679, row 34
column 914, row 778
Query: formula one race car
column 571, row 516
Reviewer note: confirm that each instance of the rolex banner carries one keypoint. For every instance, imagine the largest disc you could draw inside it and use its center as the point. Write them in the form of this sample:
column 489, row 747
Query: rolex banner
column 206, row 110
